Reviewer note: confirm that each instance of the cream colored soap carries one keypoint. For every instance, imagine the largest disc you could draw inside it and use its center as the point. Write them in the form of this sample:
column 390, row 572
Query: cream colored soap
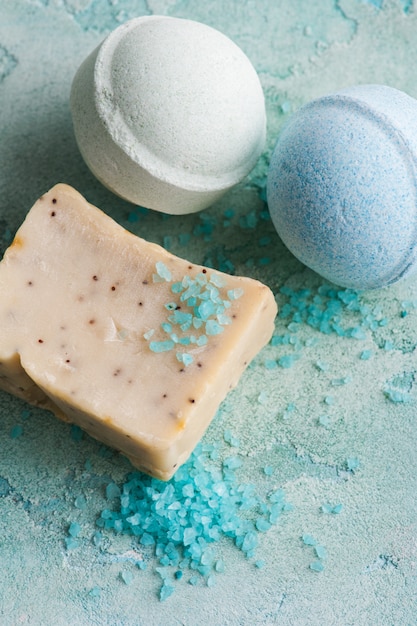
column 98, row 326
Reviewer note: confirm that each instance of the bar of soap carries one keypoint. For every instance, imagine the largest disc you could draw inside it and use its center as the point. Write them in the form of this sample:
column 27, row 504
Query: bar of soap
column 113, row 333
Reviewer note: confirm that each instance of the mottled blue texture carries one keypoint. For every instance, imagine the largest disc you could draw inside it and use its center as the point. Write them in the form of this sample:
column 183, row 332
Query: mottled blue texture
column 342, row 186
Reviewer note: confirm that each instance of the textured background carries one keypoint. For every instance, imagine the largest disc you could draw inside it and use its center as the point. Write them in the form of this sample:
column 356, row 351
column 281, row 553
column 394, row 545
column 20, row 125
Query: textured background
column 333, row 427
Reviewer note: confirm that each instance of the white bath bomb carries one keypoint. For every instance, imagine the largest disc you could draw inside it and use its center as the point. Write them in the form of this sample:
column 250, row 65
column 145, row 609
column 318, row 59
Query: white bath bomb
column 168, row 113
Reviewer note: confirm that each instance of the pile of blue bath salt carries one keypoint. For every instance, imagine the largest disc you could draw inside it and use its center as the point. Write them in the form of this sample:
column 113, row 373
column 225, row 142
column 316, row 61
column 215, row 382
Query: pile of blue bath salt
column 327, row 310
column 180, row 522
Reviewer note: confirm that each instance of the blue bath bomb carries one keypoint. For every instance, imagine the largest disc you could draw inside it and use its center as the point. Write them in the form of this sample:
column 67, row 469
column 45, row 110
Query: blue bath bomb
column 342, row 186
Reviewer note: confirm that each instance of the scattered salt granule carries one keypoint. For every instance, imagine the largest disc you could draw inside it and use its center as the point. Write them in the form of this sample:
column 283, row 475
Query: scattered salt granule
column 288, row 360
column 339, row 382
column 74, row 529
column 95, row 592
column 308, row 540
column 16, row 431
column 330, row 508
column 230, row 439
column 76, row 432
column 80, row 502
column 317, row 566
column 400, row 387
column 71, row 540
column 126, row 576
column 324, row 420
column 320, row 552
column 352, row 464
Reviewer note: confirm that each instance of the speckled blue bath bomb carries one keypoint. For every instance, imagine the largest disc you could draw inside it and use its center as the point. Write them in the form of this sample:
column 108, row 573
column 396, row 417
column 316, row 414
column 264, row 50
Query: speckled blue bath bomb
column 342, row 186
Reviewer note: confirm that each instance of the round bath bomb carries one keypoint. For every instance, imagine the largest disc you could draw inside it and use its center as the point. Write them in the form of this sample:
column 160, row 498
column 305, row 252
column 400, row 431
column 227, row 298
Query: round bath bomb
column 168, row 113
column 342, row 186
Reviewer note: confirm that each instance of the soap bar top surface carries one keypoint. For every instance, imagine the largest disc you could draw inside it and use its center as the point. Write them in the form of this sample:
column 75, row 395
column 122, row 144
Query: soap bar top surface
column 135, row 345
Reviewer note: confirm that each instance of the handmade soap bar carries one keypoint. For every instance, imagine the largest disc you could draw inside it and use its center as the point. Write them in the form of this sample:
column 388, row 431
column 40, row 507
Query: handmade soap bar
column 115, row 334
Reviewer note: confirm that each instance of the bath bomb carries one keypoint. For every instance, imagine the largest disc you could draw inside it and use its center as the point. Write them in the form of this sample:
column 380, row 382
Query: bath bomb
column 342, row 186
column 168, row 113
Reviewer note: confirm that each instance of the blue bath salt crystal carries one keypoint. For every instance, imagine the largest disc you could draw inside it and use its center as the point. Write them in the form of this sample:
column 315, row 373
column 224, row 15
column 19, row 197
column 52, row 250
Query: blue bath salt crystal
column 112, row 491
column 98, row 538
column 289, row 410
column 321, row 552
column 76, row 432
column 317, row 566
column 167, row 243
column 95, row 592
column 308, row 540
column 288, row 360
column 332, row 509
column 262, row 525
column 324, row 420
column 71, row 543
column 397, row 396
column 80, row 502
column 147, row 539
column 211, row 581
column 184, row 358
column 181, row 317
column 213, row 328
column 132, row 217
column 366, row 355
column 74, row 529
column 232, row 462
column 235, row 294
column 339, row 382
column 270, row 364
column 358, row 333
column 217, row 280
column 352, row 464
column 263, row 398
column 358, row 229
column 162, row 271
column 16, row 431
column 127, row 577
column 161, row 346
column 231, row 439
